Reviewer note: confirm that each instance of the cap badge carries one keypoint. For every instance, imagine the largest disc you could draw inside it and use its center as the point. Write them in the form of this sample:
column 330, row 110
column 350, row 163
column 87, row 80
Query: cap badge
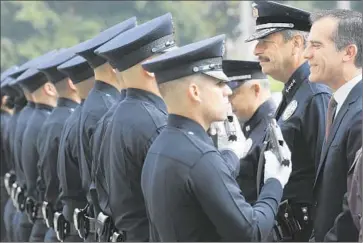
column 290, row 109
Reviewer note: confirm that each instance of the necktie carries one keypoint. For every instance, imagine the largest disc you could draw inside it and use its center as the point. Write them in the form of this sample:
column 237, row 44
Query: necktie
column 332, row 107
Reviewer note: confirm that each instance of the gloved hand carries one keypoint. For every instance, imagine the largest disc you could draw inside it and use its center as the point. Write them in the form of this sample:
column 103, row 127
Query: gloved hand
column 274, row 168
column 224, row 142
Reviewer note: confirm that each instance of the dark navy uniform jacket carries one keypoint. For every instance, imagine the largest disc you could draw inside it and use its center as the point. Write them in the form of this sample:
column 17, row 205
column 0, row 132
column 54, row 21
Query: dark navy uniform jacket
column 301, row 117
column 99, row 100
column 100, row 144
column 72, row 196
column 137, row 121
column 5, row 163
column 22, row 123
column 48, row 145
column 338, row 154
column 255, row 130
column 191, row 193
column 10, row 134
column 29, row 151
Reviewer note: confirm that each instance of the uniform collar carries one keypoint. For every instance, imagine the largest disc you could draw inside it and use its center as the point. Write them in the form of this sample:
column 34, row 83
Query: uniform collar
column 43, row 107
column 267, row 109
column 31, row 104
column 146, row 96
column 106, row 88
column 189, row 125
column 65, row 102
column 295, row 81
column 123, row 94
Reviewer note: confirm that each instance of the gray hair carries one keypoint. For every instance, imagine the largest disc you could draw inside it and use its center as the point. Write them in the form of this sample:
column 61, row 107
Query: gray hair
column 349, row 29
column 289, row 34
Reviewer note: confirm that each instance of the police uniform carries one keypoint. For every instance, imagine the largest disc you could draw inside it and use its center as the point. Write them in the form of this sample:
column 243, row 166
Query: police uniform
column 6, row 166
column 31, row 80
column 100, row 99
column 301, row 117
column 10, row 213
column 253, row 129
column 129, row 137
column 71, row 194
column 188, row 185
column 99, row 144
column 48, row 144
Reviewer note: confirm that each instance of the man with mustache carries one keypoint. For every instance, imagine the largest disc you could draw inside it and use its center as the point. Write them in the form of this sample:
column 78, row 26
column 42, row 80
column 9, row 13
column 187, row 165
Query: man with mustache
column 281, row 33
column 335, row 57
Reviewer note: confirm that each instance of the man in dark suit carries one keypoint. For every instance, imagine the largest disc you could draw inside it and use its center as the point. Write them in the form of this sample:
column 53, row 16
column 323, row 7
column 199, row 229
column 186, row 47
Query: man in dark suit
column 335, row 57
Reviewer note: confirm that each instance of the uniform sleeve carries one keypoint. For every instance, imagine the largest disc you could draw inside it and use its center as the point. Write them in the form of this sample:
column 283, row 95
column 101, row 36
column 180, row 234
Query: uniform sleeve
column 314, row 125
column 221, row 199
column 49, row 161
column 344, row 228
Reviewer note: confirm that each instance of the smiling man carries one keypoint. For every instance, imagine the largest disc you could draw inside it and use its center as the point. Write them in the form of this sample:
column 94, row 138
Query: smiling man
column 335, row 55
column 281, row 32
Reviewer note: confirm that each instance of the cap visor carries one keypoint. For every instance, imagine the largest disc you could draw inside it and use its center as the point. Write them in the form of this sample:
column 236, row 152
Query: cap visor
column 170, row 49
column 218, row 75
column 262, row 33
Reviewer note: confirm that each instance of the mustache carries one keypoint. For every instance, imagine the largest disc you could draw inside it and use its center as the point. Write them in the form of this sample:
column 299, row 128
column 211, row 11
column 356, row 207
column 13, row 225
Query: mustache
column 263, row 59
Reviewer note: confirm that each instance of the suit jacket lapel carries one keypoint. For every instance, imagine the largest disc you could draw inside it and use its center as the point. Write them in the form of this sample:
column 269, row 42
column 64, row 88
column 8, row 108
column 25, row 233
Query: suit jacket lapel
column 355, row 93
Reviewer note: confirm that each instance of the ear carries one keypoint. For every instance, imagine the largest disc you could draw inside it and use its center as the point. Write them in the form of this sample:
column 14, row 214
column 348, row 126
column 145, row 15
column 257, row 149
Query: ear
column 297, row 44
column 50, row 90
column 350, row 53
column 194, row 92
column 148, row 74
column 71, row 85
column 255, row 89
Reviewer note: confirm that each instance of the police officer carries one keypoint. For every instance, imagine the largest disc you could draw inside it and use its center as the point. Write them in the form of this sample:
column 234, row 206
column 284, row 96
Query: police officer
column 335, row 57
column 71, row 194
column 6, row 111
column 129, row 136
column 22, row 226
column 19, row 103
column 252, row 103
column 281, row 33
column 106, row 92
column 49, row 136
column 45, row 96
column 188, row 185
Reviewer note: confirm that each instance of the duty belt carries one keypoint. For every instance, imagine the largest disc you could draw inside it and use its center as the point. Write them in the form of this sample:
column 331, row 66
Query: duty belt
column 288, row 221
column 83, row 223
column 62, row 227
column 9, row 180
column 48, row 214
column 106, row 230
column 19, row 198
column 33, row 210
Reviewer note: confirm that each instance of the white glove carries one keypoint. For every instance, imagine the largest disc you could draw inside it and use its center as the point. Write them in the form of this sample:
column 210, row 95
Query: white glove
column 274, row 169
column 223, row 140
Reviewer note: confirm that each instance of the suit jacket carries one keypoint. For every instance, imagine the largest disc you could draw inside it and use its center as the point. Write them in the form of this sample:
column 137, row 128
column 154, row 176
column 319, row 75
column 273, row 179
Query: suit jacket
column 332, row 223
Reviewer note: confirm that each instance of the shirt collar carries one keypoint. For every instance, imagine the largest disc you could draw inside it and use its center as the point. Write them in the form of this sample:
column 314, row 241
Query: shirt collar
column 123, row 94
column 65, row 102
column 106, row 88
column 146, row 96
column 41, row 106
column 31, row 104
column 295, row 81
column 267, row 109
column 342, row 93
column 190, row 126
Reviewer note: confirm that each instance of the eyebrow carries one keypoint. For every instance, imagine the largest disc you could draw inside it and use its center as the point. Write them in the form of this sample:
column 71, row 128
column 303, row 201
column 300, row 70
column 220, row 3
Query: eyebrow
column 315, row 42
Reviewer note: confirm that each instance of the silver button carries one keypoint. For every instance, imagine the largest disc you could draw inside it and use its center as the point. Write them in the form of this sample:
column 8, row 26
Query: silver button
column 305, row 218
column 190, row 133
column 195, row 69
column 286, row 215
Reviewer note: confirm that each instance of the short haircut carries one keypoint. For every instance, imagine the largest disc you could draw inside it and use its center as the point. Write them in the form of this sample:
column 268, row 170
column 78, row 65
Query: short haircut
column 349, row 29
column 289, row 34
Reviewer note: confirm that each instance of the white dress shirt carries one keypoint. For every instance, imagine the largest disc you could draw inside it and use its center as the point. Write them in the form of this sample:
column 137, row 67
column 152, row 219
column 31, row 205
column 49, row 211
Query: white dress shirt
column 342, row 93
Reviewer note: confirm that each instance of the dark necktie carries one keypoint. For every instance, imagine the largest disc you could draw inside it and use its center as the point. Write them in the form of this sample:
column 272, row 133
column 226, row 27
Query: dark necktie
column 332, row 107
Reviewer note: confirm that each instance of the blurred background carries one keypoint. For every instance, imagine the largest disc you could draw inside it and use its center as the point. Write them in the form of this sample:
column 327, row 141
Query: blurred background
column 31, row 28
